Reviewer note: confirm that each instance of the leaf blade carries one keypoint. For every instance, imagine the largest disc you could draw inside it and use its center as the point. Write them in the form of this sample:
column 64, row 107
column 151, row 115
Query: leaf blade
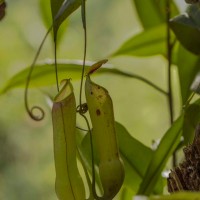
column 147, row 43
column 44, row 74
column 61, row 10
column 154, row 12
column 132, row 152
column 191, row 120
column 166, row 147
column 188, row 66
column 186, row 28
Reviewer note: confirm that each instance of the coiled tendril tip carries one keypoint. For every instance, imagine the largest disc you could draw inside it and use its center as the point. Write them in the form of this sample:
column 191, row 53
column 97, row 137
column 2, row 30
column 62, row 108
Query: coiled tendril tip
column 36, row 117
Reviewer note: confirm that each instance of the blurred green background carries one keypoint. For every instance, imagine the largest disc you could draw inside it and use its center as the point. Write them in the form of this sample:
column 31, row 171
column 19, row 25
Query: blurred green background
column 26, row 153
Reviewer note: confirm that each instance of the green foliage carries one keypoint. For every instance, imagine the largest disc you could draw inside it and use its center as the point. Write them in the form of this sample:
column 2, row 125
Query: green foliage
column 186, row 28
column 44, row 74
column 61, row 10
column 132, row 152
column 167, row 145
column 188, row 66
column 196, row 83
column 191, row 120
column 147, row 43
column 177, row 196
column 47, row 19
column 153, row 13
column 143, row 165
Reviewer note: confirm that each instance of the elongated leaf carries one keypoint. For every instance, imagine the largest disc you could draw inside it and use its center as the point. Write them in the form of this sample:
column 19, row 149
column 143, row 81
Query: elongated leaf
column 55, row 7
column 61, row 10
column 191, row 119
column 85, row 151
column 126, row 194
column 136, row 157
column 195, row 87
column 175, row 196
column 153, row 12
column 47, row 19
column 178, row 196
column 194, row 13
column 133, row 150
column 147, row 43
column 186, row 28
column 188, row 66
column 44, row 74
column 166, row 147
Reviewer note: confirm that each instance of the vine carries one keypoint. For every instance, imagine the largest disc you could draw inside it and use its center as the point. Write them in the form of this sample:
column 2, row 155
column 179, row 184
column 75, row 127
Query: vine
column 169, row 60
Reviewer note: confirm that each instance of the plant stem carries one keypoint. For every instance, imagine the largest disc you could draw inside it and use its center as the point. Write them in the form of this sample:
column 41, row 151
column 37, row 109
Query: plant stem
column 56, row 65
column 28, row 109
column 83, row 13
column 169, row 57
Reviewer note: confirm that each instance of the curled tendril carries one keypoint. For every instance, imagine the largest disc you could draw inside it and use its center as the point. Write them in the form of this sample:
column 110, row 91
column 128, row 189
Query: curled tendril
column 30, row 110
column 82, row 109
column 38, row 117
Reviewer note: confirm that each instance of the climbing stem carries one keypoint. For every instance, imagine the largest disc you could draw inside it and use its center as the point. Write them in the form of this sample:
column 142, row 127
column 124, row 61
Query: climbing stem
column 83, row 13
column 56, row 65
column 28, row 109
column 169, row 65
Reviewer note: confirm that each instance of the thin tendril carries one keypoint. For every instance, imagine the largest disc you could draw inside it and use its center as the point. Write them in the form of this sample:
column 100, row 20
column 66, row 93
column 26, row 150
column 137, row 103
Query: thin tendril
column 81, row 109
column 30, row 110
column 56, row 65
column 92, row 155
column 82, row 129
column 83, row 13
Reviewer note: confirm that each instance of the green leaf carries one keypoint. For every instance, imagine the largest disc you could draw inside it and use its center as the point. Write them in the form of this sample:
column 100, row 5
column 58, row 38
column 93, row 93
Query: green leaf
column 44, row 74
column 195, row 87
column 153, row 12
column 194, row 13
column 133, row 150
column 186, row 28
column 191, row 119
column 46, row 14
column 188, row 66
column 135, row 155
column 125, row 194
column 178, row 196
column 147, row 43
column 161, row 155
column 85, row 151
column 55, row 7
column 61, row 10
